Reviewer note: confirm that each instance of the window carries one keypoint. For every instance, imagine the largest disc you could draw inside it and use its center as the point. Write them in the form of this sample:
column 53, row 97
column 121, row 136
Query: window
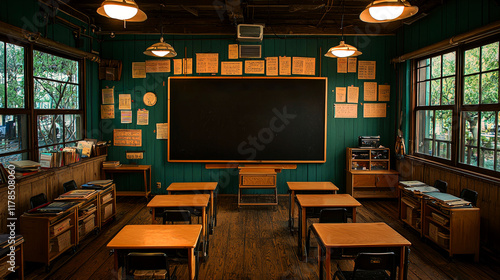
column 459, row 123
column 48, row 108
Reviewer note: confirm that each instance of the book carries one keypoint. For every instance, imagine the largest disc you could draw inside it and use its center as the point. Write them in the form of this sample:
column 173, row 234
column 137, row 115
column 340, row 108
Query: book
column 76, row 194
column 412, row 183
column 442, row 197
column 25, row 164
column 422, row 189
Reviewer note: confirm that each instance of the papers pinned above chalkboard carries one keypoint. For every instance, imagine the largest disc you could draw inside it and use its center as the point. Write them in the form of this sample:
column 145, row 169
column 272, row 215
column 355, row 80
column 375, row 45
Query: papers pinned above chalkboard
column 207, row 63
column 272, row 66
column 285, row 65
column 254, row 66
column 234, row 68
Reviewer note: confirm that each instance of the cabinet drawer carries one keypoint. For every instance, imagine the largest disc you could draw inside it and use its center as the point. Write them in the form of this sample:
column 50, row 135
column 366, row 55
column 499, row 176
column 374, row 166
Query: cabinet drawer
column 258, row 180
column 386, row 181
column 363, row 181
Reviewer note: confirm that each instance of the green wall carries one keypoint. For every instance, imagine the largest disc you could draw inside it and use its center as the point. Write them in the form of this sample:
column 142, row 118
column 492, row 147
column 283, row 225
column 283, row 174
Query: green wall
column 342, row 133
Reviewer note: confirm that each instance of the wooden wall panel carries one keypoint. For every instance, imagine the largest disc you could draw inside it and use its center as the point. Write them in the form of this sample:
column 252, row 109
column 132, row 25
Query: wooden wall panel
column 488, row 194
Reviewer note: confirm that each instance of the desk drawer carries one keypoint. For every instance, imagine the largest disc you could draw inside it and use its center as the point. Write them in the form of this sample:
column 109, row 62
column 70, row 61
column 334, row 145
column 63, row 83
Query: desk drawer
column 367, row 181
column 257, row 180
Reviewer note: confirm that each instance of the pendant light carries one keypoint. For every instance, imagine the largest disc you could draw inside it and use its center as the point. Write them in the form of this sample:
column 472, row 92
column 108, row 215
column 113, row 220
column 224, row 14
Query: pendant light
column 161, row 49
column 342, row 50
column 126, row 10
column 379, row 11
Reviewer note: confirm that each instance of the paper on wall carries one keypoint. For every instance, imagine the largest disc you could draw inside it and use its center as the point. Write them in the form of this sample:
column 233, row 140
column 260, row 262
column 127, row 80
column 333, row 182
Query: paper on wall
column 349, row 111
column 231, row 68
column 285, row 65
column 232, row 52
column 370, row 91
column 366, row 70
column 124, row 102
column 162, row 131
column 342, row 65
column 374, row 110
column 340, row 94
column 107, row 112
column 254, row 66
column 207, row 63
column 352, row 94
column 126, row 116
column 384, row 93
column 351, row 64
column 177, row 66
column 142, row 117
column 138, row 70
column 272, row 66
column 108, row 96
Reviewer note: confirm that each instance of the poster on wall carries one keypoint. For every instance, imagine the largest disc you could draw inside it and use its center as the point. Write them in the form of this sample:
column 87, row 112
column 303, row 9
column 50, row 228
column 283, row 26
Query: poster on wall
column 108, row 96
column 351, row 64
column 142, row 117
column 352, row 94
column 127, row 137
column 374, row 110
column 347, row 111
column 138, row 70
column 340, row 94
column 162, row 131
column 158, row 66
column 234, row 68
column 384, row 93
column 207, row 63
column 232, row 51
column 107, row 112
column 285, row 65
column 370, row 91
column 304, row 66
column 124, row 101
column 178, row 66
column 342, row 65
column 188, row 66
column 272, row 66
column 126, row 116
column 255, row 66
column 366, row 70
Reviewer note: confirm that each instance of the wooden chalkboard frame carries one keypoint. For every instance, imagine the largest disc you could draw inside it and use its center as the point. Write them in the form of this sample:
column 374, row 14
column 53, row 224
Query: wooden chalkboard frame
column 252, row 161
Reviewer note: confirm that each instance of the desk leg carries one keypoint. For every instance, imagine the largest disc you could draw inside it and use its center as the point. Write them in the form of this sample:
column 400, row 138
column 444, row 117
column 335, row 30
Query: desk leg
column 205, row 230
column 402, row 261
column 290, row 210
column 211, row 211
column 20, row 270
column 302, row 231
column 320, row 261
column 146, row 184
column 328, row 270
column 153, row 215
column 353, row 214
column 191, row 263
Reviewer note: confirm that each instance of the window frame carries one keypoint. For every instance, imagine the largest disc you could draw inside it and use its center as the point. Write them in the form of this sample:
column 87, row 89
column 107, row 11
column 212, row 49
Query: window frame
column 32, row 147
column 457, row 109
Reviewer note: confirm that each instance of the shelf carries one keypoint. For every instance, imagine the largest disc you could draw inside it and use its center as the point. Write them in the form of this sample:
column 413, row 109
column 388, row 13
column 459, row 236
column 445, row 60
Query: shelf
column 435, row 242
column 54, row 236
column 53, row 255
column 430, row 219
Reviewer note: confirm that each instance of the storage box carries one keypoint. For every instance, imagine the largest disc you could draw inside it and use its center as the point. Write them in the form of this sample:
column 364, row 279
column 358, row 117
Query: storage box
column 61, row 242
column 60, row 227
column 440, row 219
column 87, row 225
column 443, row 239
column 107, row 211
column 433, row 232
column 411, row 216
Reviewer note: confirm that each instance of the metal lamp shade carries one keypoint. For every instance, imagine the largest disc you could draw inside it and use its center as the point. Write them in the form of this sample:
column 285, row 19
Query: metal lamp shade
column 408, row 11
column 343, row 47
column 138, row 17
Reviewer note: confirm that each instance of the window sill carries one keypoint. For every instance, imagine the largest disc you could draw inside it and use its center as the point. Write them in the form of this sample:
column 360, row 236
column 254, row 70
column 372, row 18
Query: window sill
column 461, row 171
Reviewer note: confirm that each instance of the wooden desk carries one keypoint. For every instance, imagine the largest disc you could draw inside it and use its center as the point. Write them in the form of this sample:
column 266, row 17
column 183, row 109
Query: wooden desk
column 199, row 188
column 352, row 235
column 182, row 201
column 156, row 237
column 257, row 178
column 305, row 201
column 132, row 169
column 306, row 188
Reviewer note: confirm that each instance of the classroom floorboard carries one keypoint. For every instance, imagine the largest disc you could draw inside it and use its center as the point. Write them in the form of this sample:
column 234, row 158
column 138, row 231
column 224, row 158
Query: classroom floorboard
column 255, row 243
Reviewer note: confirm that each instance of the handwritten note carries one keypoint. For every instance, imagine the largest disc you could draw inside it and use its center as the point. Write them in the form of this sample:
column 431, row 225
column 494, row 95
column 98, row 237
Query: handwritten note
column 272, row 66
column 352, row 94
column 126, row 116
column 231, row 68
column 370, row 91
column 158, row 66
column 188, row 66
column 108, row 96
column 340, row 94
column 127, row 137
column 366, row 70
column 285, row 65
column 374, row 110
column 138, row 70
column 384, row 93
column 107, row 112
column 342, row 65
column 177, row 66
column 351, row 64
column 125, row 102
column 162, row 131
column 207, row 63
column 254, row 66
column 232, row 52
column 142, row 117
column 348, row 111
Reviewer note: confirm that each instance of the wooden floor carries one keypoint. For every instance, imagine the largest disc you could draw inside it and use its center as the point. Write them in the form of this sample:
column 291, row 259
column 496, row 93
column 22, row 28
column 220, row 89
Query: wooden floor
column 255, row 243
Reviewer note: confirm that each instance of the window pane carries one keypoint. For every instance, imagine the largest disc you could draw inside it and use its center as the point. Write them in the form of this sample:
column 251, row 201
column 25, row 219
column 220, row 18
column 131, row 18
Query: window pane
column 449, row 91
column 2, row 74
column 425, row 131
column 436, row 92
column 487, row 158
column 449, row 64
column 488, row 130
column 436, row 67
column 13, row 133
column 470, row 137
column 489, row 88
column 55, row 95
column 423, row 62
column 53, row 67
column 489, row 57
column 443, row 133
column 15, row 76
column 424, row 74
column 471, row 61
column 50, row 129
column 72, row 127
column 471, row 89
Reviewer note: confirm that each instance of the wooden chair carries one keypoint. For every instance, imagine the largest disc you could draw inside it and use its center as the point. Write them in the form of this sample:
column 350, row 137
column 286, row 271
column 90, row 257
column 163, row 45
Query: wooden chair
column 373, row 266
column 147, row 263
column 469, row 195
column 38, row 200
column 327, row 215
column 174, row 216
column 69, row 186
column 441, row 185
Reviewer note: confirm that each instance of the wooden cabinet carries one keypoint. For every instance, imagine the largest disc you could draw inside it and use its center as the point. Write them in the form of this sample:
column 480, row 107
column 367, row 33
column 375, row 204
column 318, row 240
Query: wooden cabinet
column 456, row 230
column 369, row 174
column 19, row 259
column 257, row 178
column 47, row 237
column 410, row 208
column 88, row 217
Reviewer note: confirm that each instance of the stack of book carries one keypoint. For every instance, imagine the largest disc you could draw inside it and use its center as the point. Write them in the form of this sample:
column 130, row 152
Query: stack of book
column 446, row 200
column 107, row 198
column 52, row 208
column 70, row 155
column 86, row 211
column 111, row 164
column 97, row 185
column 76, row 194
column 25, row 167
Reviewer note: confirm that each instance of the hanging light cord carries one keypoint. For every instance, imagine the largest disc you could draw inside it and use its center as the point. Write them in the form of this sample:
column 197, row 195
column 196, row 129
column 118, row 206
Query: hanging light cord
column 342, row 19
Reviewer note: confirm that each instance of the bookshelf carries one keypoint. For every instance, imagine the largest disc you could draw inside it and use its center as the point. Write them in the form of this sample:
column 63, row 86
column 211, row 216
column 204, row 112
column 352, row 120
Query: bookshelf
column 107, row 205
column 369, row 174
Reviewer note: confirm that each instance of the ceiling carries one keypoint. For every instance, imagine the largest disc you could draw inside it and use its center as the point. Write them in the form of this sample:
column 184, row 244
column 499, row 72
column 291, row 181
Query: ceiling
column 298, row 17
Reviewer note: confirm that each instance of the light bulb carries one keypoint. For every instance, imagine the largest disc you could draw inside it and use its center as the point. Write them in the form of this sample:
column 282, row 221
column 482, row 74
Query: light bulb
column 120, row 12
column 386, row 12
column 160, row 53
column 342, row 53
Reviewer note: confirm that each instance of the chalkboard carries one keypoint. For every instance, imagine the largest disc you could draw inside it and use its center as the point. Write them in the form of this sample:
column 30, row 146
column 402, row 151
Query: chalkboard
column 242, row 119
